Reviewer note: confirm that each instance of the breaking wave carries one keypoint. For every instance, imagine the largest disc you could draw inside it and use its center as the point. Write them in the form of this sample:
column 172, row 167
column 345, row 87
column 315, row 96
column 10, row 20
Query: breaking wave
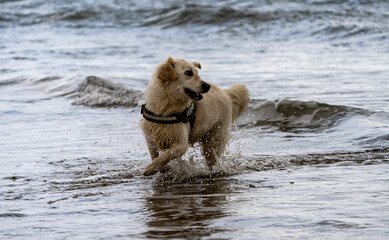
column 295, row 114
column 97, row 92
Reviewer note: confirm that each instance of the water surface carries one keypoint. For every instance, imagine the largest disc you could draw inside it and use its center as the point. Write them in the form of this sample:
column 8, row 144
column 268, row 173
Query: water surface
column 309, row 157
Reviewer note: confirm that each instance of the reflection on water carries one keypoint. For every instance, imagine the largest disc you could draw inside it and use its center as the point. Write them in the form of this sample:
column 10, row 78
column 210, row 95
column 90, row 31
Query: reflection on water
column 187, row 210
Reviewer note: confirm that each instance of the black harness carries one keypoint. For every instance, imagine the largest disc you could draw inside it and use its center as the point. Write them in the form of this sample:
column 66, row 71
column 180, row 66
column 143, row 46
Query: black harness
column 188, row 115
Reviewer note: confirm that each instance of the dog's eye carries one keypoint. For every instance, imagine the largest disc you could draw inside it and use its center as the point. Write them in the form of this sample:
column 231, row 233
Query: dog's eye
column 189, row 73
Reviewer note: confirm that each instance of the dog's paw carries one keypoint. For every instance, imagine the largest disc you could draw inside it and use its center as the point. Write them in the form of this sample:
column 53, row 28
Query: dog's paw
column 150, row 170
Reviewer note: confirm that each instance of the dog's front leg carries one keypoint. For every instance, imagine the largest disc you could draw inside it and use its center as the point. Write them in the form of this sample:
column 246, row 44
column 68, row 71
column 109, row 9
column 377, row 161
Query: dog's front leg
column 177, row 150
column 152, row 148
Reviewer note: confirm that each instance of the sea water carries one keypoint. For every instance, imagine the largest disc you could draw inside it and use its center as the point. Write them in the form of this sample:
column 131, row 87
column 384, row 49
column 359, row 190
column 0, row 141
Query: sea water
column 308, row 159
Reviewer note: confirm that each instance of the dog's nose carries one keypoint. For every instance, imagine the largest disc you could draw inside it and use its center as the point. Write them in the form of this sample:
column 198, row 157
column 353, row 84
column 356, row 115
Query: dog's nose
column 205, row 86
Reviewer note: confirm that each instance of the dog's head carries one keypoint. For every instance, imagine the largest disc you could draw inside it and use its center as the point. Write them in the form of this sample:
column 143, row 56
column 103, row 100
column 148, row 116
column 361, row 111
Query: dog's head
column 183, row 77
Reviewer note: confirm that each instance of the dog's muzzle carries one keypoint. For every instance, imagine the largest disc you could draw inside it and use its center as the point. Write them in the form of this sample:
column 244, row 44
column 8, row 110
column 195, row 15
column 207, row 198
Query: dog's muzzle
column 197, row 96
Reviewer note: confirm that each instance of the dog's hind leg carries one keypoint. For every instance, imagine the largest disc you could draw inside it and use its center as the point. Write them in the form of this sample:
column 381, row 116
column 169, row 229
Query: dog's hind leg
column 176, row 150
column 213, row 144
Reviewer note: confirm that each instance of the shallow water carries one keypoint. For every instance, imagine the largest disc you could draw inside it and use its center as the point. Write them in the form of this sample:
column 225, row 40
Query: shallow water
column 309, row 158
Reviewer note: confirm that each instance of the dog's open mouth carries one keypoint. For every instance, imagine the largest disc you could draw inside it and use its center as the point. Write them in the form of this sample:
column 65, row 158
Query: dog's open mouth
column 192, row 94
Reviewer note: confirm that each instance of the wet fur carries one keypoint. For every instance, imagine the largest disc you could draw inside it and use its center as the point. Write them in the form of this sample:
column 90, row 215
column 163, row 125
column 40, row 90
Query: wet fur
column 214, row 114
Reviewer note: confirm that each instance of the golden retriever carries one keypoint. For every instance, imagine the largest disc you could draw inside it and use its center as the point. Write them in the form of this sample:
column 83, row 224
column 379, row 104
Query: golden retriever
column 182, row 109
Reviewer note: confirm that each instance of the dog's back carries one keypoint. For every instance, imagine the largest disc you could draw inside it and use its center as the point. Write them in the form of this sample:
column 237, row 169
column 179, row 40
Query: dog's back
column 240, row 99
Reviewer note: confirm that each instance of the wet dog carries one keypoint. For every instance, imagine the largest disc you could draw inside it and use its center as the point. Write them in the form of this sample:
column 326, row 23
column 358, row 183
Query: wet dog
column 182, row 109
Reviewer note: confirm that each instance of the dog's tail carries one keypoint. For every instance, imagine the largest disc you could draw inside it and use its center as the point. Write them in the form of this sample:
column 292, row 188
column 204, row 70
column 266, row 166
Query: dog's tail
column 240, row 99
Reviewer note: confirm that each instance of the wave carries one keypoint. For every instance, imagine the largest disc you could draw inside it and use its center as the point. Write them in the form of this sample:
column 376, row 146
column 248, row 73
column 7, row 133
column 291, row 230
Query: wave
column 292, row 114
column 335, row 18
column 11, row 81
column 98, row 92
column 344, row 125
column 368, row 157
column 205, row 15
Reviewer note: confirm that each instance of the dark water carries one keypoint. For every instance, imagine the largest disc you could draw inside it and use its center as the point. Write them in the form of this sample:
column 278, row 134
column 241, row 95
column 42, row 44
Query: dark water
column 308, row 159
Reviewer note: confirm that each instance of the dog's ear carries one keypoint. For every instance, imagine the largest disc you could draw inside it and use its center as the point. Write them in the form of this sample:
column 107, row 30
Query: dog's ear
column 197, row 64
column 166, row 70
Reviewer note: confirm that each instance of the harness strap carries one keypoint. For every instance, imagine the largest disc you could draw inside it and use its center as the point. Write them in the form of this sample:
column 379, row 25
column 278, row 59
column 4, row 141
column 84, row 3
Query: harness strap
column 188, row 115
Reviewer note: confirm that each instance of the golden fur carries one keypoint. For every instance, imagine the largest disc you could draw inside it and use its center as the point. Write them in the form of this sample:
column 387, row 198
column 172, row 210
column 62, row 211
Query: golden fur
column 215, row 112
